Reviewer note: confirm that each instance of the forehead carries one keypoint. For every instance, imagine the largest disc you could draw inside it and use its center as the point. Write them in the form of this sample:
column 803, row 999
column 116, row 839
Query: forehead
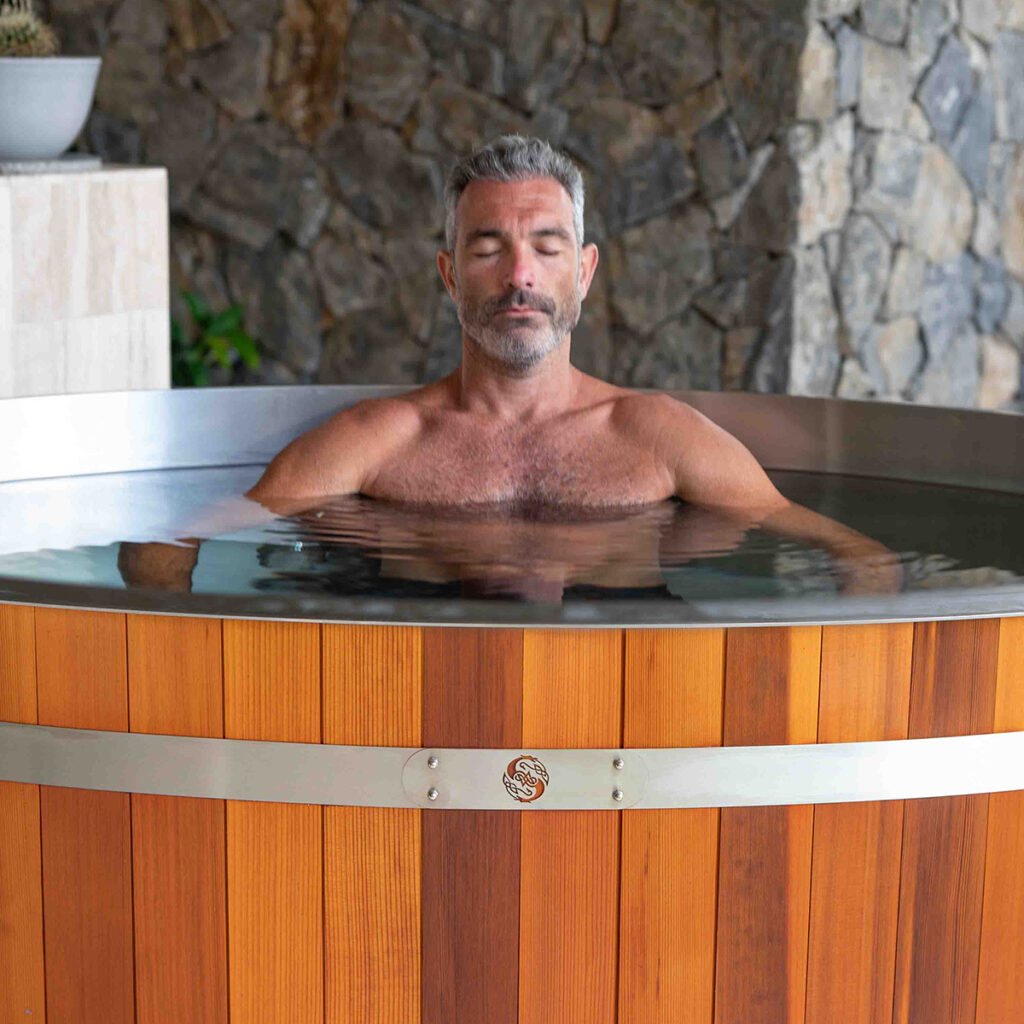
column 509, row 205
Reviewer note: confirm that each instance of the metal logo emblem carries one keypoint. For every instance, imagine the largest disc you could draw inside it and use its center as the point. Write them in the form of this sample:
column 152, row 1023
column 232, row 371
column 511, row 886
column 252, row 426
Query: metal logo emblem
column 526, row 778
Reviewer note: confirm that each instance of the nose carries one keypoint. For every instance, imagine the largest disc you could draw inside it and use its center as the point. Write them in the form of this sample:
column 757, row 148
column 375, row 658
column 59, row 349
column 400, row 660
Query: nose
column 521, row 269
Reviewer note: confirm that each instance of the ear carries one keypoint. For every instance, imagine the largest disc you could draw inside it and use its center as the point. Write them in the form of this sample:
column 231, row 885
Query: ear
column 446, row 267
column 588, row 264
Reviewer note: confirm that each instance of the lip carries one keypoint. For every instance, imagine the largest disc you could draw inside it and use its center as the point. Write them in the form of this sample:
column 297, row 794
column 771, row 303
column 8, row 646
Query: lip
column 518, row 311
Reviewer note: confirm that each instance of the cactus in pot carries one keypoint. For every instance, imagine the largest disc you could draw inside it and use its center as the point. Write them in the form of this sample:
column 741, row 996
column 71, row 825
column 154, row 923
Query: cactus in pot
column 22, row 33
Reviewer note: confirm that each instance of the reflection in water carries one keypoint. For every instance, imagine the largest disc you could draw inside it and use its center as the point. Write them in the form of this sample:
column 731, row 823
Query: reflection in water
column 356, row 545
column 556, row 553
column 538, row 553
column 847, row 536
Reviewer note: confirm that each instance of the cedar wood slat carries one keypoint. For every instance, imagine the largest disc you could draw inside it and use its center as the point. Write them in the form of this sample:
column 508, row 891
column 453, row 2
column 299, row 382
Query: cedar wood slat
column 373, row 695
column 1001, row 969
column 176, row 687
column 472, row 697
column 673, row 698
column 771, row 696
column 274, row 851
column 22, row 981
column 865, row 695
column 86, row 835
column 953, row 692
column 569, row 905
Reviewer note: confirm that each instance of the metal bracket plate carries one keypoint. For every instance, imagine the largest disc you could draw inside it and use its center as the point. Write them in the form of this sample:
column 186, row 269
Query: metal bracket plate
column 531, row 779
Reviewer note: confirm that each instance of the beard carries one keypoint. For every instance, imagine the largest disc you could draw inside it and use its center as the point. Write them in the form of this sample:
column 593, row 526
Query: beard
column 518, row 345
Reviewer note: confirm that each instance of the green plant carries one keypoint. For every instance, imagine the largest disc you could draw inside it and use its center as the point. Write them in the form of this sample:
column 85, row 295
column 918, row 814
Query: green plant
column 213, row 339
column 22, row 34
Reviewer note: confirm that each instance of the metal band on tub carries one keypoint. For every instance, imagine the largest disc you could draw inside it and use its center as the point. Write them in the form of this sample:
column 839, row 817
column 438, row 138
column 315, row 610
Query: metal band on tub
column 511, row 779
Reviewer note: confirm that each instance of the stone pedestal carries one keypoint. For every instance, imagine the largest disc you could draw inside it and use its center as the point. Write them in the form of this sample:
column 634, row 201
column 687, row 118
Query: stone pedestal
column 84, row 282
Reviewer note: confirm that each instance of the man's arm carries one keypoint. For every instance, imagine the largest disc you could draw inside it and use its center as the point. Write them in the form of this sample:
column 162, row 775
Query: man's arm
column 338, row 457
column 715, row 470
column 335, row 458
column 707, row 465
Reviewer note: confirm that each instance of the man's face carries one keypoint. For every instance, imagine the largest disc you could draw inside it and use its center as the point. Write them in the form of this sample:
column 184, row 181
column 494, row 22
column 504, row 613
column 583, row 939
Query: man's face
column 518, row 275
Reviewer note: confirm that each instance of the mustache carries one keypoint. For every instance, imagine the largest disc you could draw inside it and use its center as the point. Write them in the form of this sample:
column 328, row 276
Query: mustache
column 521, row 297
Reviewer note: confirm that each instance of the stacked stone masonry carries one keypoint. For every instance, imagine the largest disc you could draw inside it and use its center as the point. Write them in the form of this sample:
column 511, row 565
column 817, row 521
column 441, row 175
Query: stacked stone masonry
column 820, row 197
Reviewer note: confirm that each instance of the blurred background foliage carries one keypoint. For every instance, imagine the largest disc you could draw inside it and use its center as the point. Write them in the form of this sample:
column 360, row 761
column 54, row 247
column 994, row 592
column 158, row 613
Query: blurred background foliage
column 207, row 342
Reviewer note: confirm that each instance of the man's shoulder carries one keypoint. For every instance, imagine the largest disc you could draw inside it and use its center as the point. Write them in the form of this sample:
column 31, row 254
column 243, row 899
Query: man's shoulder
column 708, row 464
column 337, row 456
column 394, row 414
column 405, row 412
column 646, row 411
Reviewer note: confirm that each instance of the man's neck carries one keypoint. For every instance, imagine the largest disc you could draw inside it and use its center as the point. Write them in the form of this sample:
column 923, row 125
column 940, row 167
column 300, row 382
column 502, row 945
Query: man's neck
column 546, row 390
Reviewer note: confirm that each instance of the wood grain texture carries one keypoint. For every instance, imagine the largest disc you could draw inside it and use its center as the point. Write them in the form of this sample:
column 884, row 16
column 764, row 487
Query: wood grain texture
column 272, row 681
column 472, row 687
column 82, row 669
column 81, row 673
column 17, row 663
column 175, row 687
column 569, row 912
column 673, row 698
column 86, row 841
column 372, row 903
column 275, row 912
column 373, row 695
column 274, row 851
column 865, row 695
column 22, row 983
column 180, row 900
column 373, row 685
column 771, row 696
column 22, row 980
column 1001, row 967
column 953, row 692
column 472, row 697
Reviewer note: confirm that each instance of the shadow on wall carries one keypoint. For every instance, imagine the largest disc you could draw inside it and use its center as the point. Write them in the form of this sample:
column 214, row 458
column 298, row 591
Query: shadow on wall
column 813, row 196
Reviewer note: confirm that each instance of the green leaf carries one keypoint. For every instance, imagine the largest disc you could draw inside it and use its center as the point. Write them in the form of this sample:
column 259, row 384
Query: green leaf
column 246, row 348
column 221, row 339
column 221, row 350
column 197, row 306
column 229, row 320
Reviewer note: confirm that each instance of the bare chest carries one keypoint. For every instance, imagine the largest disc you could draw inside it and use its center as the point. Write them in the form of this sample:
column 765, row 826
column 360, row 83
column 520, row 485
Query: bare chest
column 450, row 465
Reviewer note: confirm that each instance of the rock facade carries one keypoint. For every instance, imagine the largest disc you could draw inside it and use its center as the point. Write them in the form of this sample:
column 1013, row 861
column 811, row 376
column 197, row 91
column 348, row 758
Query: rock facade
column 819, row 197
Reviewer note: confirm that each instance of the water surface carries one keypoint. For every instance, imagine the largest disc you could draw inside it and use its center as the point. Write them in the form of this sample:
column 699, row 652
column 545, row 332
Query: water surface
column 676, row 559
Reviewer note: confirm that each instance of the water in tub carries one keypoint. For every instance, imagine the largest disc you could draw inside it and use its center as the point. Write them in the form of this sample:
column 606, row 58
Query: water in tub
column 101, row 530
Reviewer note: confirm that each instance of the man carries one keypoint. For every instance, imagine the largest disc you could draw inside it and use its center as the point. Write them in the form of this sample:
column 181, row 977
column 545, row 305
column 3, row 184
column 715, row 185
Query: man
column 517, row 427
column 517, row 423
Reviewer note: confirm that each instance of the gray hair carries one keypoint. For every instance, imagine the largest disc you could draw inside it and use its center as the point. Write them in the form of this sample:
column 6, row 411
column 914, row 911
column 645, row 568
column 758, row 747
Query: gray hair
column 513, row 158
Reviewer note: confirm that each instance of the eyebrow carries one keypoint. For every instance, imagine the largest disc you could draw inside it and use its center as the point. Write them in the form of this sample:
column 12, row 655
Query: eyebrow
column 546, row 232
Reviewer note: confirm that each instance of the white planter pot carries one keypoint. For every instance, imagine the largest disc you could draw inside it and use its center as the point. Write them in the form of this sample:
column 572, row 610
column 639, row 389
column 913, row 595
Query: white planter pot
column 45, row 103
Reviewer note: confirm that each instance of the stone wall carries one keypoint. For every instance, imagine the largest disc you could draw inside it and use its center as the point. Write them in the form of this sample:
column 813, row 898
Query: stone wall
column 921, row 109
column 814, row 196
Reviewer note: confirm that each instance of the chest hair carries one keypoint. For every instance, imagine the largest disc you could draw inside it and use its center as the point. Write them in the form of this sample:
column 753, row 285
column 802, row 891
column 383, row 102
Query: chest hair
column 516, row 466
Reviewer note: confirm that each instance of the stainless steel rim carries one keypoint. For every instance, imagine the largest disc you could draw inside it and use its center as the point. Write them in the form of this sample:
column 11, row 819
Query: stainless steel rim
column 74, row 435
column 509, row 779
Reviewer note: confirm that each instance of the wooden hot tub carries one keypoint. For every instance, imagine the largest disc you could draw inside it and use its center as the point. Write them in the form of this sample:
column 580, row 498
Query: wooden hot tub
column 332, row 874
